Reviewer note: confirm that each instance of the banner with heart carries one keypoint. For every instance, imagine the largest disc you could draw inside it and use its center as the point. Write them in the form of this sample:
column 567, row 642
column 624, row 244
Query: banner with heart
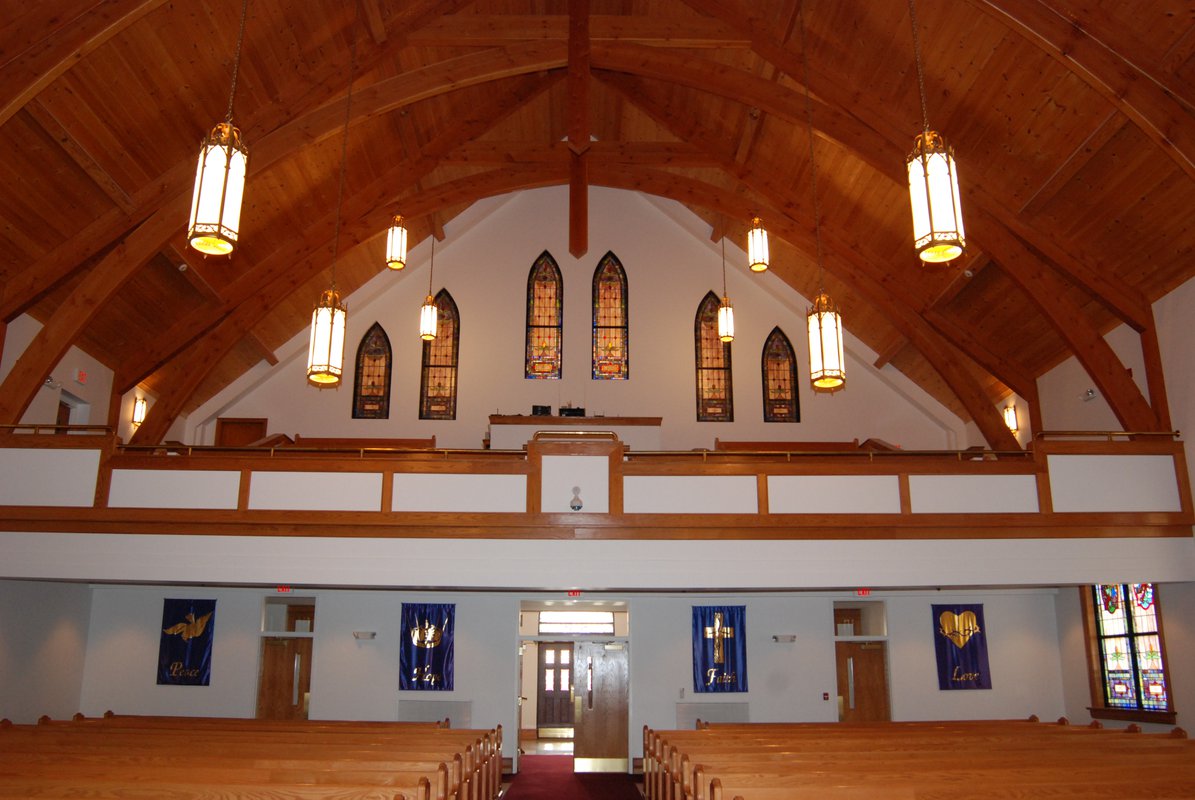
column 960, row 643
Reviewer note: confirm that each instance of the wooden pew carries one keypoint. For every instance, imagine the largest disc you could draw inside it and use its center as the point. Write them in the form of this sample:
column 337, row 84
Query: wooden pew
column 418, row 761
column 1010, row 758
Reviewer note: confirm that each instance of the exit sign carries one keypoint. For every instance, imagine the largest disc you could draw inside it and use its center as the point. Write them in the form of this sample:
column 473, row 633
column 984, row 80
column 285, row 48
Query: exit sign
column 284, row 589
column 862, row 592
column 574, row 592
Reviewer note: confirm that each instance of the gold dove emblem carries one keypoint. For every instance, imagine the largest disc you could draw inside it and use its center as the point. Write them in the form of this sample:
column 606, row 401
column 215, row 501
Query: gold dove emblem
column 190, row 629
column 958, row 628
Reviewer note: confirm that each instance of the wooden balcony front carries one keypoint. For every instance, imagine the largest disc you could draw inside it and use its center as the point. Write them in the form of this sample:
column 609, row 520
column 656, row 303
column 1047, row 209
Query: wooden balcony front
column 1066, row 486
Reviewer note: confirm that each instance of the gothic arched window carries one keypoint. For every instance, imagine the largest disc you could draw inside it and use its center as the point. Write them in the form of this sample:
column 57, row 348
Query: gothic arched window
column 437, row 378
column 715, row 395
column 371, row 390
column 779, row 368
column 611, row 340
column 545, row 318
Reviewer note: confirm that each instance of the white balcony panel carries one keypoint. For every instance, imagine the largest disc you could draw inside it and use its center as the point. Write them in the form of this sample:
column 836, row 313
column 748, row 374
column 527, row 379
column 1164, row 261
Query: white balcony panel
column 1113, row 483
column 590, row 475
column 690, row 494
column 37, row 476
column 174, row 488
column 973, row 494
column 316, row 491
column 462, row 493
column 833, row 494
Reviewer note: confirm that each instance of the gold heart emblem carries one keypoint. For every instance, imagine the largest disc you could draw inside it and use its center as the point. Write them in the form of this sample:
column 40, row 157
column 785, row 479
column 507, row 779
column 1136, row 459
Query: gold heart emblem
column 958, row 628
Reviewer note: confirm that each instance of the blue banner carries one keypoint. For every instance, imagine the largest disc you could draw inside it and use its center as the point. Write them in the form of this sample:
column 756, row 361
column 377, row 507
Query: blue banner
column 719, row 648
column 425, row 654
column 185, row 652
column 962, row 647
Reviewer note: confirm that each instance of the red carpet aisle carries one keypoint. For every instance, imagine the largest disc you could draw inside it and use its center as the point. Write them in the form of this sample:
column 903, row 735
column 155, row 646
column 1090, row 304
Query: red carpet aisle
column 552, row 778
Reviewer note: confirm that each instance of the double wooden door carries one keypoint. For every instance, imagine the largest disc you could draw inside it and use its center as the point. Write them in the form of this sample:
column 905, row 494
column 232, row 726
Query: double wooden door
column 600, row 699
column 554, row 698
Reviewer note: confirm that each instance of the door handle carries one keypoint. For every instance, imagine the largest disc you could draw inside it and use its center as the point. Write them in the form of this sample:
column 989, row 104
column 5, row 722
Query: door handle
column 589, row 682
column 850, row 682
column 295, row 685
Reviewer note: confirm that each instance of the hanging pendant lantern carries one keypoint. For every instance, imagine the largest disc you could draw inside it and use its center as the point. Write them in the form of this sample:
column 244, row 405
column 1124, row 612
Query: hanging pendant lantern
column 726, row 320
column 215, row 221
column 428, row 315
column 219, row 189
column 325, row 356
column 827, row 370
column 938, row 234
column 1010, row 418
column 757, row 246
column 396, row 244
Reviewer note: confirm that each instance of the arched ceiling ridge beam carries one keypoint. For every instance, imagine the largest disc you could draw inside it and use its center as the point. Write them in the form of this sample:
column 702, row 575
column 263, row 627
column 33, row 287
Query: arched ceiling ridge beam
column 687, row 127
column 874, row 143
column 316, row 237
column 42, row 62
column 1158, row 108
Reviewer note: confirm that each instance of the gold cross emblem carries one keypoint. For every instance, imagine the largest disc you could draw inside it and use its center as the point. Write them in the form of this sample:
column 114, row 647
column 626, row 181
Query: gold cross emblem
column 719, row 633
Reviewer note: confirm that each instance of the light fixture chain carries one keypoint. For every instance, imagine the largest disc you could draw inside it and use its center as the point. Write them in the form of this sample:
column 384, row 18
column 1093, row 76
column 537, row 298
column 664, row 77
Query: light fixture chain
column 723, row 240
column 917, row 61
column 344, row 143
column 236, row 61
column 817, row 228
column 432, row 267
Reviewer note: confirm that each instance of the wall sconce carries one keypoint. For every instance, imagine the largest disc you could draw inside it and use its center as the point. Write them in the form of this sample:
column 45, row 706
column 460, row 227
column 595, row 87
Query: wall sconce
column 139, row 409
column 365, row 634
column 1010, row 418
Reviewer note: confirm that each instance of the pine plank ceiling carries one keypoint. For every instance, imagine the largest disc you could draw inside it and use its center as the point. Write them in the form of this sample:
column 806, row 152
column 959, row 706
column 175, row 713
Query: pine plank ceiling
column 1073, row 123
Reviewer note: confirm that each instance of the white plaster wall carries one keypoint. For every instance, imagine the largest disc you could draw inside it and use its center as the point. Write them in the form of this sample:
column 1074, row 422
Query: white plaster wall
column 670, row 265
column 122, row 653
column 43, row 642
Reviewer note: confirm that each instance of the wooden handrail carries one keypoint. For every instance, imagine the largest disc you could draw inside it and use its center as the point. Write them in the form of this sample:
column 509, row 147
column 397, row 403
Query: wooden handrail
column 1109, row 435
column 39, row 428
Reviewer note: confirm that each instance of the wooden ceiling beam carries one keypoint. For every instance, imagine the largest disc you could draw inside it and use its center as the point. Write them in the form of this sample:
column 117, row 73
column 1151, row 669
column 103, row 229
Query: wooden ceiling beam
column 1077, row 160
column 873, row 141
column 373, row 21
column 897, row 299
column 498, row 30
column 378, row 198
column 41, row 61
column 192, row 265
column 578, row 127
column 1052, row 297
column 80, row 155
column 63, row 327
column 890, row 351
column 1159, row 105
column 495, row 152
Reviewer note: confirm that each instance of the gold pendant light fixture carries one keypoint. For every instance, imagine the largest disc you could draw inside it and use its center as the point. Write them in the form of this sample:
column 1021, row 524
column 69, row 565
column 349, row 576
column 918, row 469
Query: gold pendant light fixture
column 827, row 364
column 757, row 246
column 428, row 315
column 725, row 311
column 215, row 221
column 396, row 244
column 938, row 234
column 329, row 319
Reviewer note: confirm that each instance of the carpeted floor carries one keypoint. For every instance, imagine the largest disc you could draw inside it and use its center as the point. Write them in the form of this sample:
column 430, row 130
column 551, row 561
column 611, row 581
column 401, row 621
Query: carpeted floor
column 552, row 778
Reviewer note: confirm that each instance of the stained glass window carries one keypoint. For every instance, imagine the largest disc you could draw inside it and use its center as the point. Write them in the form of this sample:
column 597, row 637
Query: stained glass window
column 779, row 368
column 437, row 381
column 371, row 390
column 611, row 354
column 715, row 396
column 1128, row 645
column 545, row 319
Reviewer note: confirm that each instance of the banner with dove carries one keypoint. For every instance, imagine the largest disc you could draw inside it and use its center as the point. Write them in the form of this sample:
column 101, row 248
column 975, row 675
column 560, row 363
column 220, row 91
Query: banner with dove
column 185, row 652
column 719, row 648
column 960, row 640
column 425, row 653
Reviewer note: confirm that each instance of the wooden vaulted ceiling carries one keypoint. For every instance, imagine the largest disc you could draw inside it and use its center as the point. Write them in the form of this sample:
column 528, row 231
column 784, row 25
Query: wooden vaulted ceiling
column 1073, row 122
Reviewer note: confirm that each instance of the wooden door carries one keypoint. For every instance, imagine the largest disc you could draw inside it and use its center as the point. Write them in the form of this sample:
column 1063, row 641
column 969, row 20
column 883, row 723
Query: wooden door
column 284, row 689
column 240, row 431
column 554, row 698
column 862, row 681
column 600, row 701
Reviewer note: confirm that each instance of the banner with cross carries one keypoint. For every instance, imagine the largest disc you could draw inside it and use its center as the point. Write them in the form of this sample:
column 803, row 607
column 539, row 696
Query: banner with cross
column 719, row 648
